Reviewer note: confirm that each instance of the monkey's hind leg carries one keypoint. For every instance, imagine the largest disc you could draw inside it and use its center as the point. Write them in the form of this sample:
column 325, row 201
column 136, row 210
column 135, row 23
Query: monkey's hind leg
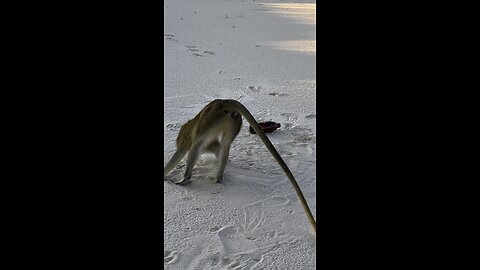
column 174, row 161
column 223, row 155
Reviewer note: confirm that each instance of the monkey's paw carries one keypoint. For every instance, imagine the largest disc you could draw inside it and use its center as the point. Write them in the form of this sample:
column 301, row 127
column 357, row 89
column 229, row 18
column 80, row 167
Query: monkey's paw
column 184, row 181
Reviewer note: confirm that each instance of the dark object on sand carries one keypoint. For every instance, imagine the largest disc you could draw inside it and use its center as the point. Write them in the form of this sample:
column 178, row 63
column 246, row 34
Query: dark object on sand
column 267, row 127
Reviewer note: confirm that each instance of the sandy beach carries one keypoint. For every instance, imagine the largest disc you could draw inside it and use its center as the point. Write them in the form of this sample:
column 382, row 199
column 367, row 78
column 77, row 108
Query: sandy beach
column 261, row 53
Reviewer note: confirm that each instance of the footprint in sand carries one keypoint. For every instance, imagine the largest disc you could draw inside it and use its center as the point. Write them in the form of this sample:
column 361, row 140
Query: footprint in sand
column 170, row 37
column 170, row 257
column 254, row 89
column 290, row 116
column 214, row 229
column 196, row 50
column 276, row 94
column 173, row 126
column 277, row 202
column 253, row 218
column 234, row 242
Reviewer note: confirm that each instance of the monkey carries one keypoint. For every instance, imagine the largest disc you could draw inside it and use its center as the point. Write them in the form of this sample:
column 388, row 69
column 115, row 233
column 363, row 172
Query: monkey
column 202, row 133
column 213, row 130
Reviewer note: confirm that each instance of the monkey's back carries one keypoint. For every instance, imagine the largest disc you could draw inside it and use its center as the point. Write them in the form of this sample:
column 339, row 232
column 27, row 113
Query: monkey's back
column 209, row 121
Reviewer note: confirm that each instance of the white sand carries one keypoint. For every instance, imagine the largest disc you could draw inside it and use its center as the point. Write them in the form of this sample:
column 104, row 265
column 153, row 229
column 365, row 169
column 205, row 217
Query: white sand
column 262, row 54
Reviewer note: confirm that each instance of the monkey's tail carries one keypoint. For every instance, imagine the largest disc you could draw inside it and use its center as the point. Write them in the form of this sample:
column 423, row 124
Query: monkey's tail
column 244, row 111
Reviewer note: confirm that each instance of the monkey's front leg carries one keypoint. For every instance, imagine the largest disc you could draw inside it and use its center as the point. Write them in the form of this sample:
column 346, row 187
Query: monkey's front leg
column 174, row 161
column 192, row 157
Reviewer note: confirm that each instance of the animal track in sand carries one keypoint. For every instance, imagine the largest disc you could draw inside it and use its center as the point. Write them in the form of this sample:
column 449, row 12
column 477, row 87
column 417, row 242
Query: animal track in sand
column 290, row 116
column 170, row 37
column 173, row 126
column 234, row 242
column 210, row 253
column 252, row 221
column 254, row 89
column 214, row 229
column 196, row 50
column 276, row 94
column 170, row 257
column 277, row 202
